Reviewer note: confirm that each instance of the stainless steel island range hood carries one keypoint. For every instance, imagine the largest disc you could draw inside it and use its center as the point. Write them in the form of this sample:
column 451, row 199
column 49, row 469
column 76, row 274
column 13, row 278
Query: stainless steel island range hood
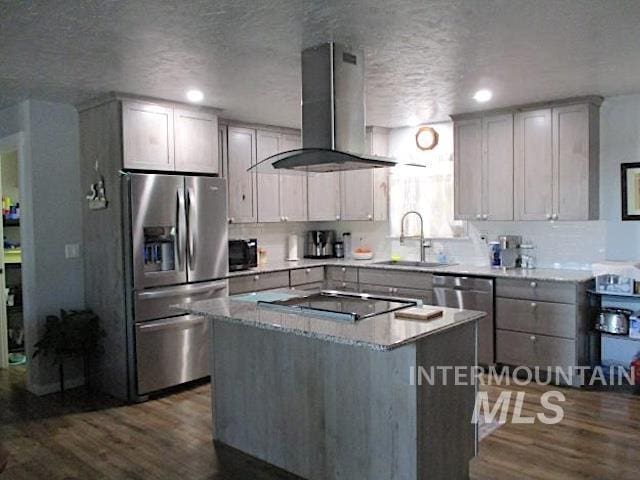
column 333, row 122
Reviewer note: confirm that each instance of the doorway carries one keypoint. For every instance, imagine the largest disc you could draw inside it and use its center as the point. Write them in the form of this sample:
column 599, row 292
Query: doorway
column 12, row 327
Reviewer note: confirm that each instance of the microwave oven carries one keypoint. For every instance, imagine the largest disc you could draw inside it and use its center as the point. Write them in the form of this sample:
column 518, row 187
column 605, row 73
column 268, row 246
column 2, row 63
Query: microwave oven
column 243, row 254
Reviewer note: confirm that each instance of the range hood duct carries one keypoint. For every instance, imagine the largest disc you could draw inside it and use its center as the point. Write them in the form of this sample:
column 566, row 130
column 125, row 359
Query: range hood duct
column 333, row 120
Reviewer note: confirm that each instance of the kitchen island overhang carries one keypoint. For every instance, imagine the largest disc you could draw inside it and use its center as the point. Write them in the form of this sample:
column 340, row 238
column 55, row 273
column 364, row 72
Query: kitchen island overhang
column 326, row 399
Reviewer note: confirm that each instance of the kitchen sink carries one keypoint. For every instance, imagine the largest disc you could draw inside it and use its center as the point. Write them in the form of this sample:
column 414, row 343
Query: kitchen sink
column 409, row 263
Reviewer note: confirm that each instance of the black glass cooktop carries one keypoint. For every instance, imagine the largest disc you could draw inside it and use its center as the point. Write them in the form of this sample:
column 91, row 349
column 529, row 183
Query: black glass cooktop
column 340, row 305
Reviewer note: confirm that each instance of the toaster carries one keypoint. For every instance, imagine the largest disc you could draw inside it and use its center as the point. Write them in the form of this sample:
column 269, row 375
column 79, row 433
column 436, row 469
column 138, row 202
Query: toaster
column 614, row 320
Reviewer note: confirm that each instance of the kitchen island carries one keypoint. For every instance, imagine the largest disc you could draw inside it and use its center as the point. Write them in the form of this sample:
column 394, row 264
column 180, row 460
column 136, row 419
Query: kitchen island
column 335, row 399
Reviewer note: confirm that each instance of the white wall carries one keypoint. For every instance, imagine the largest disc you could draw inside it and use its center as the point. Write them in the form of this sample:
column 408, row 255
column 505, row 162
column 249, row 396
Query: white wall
column 619, row 143
column 51, row 197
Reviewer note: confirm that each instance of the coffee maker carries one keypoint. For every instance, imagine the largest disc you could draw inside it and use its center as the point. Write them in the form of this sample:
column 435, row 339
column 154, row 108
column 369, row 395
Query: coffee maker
column 510, row 251
column 319, row 244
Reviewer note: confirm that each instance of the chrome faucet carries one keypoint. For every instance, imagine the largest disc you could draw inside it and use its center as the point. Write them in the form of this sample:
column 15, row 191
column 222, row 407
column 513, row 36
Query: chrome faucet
column 402, row 237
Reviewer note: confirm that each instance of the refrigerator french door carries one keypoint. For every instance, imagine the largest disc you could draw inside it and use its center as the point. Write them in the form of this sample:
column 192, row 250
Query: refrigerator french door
column 179, row 254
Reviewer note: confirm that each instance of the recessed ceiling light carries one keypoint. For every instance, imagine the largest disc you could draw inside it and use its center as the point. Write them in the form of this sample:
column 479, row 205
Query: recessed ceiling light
column 195, row 95
column 482, row 95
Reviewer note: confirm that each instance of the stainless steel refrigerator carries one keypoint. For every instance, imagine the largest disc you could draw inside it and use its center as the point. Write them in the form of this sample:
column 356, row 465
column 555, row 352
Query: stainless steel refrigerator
column 178, row 254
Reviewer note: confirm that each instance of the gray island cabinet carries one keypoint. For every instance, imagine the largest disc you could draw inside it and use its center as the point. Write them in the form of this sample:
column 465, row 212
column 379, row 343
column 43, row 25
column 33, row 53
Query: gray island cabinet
column 328, row 399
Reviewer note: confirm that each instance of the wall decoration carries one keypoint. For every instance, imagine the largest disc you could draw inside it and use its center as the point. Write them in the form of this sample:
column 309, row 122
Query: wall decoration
column 630, row 173
column 426, row 138
column 97, row 197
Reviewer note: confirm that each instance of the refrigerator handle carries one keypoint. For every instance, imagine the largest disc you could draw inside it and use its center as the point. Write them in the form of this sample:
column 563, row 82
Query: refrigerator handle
column 193, row 234
column 180, row 228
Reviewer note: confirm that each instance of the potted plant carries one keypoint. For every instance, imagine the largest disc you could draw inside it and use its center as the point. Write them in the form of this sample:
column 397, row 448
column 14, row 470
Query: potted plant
column 75, row 333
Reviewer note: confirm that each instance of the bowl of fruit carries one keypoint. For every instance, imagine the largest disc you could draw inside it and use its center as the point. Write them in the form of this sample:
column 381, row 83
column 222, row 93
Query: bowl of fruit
column 363, row 253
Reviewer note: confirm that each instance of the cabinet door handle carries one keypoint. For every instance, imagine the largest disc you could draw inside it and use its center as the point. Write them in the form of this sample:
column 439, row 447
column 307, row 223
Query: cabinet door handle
column 532, row 338
column 549, row 216
column 337, row 217
column 343, row 269
column 308, row 270
column 390, row 289
column 256, row 278
column 231, row 220
column 554, row 216
column 485, row 216
column 369, row 217
column 478, row 217
column 533, row 284
column 534, row 305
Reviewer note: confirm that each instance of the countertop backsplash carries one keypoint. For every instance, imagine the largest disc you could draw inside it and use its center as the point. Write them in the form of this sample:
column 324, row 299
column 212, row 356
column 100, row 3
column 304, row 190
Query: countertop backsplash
column 573, row 245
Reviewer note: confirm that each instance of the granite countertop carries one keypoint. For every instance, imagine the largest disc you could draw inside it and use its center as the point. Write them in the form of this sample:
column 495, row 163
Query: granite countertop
column 381, row 332
column 552, row 274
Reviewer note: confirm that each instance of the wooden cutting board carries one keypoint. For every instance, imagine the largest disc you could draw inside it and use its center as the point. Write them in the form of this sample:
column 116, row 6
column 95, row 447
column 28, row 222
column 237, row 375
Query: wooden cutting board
column 419, row 313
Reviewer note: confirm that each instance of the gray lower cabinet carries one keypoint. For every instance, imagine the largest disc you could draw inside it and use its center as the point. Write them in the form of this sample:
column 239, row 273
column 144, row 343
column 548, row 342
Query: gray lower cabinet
column 542, row 324
column 396, row 278
column 519, row 348
column 342, row 274
column 257, row 282
column 306, row 277
column 426, row 296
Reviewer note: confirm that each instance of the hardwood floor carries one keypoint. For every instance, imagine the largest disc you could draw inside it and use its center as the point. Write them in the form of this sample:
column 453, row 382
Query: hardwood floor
column 85, row 436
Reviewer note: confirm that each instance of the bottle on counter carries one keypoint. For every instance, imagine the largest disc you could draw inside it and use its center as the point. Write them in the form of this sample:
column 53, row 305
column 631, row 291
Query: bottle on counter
column 346, row 245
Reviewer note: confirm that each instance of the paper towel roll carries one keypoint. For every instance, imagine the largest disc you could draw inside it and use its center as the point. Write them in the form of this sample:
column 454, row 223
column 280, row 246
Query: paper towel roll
column 293, row 248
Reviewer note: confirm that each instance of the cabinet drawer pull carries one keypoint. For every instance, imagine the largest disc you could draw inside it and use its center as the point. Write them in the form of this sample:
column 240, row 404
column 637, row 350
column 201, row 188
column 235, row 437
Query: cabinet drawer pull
column 256, row 278
column 369, row 217
column 534, row 305
column 532, row 338
column 533, row 284
column 478, row 216
column 343, row 269
column 308, row 270
column 390, row 289
column 337, row 217
column 485, row 216
column 554, row 216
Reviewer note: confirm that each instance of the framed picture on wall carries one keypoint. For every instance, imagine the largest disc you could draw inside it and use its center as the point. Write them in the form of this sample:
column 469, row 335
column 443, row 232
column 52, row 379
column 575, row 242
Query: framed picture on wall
column 630, row 191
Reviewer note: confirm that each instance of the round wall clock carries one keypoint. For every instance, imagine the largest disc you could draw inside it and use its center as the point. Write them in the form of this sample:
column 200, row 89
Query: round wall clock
column 426, row 138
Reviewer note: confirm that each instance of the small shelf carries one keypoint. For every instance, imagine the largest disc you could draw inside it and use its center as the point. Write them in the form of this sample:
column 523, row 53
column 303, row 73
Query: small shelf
column 11, row 222
column 614, row 294
column 618, row 337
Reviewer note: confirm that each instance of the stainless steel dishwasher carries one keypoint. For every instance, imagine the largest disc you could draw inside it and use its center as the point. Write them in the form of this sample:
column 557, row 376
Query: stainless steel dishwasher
column 470, row 293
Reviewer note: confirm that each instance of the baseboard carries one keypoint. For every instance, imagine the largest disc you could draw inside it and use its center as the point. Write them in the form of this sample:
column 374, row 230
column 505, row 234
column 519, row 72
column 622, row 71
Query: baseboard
column 53, row 387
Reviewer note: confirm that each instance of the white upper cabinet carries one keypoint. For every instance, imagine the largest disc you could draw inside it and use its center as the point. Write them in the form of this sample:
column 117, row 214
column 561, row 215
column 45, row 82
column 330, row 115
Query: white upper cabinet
column 356, row 193
column 533, row 165
column 575, row 162
column 497, row 167
column 147, row 132
column 556, row 175
column 324, row 196
column 293, row 188
column 467, row 154
column 378, row 144
column 364, row 194
column 241, row 155
column 160, row 137
column 196, row 141
column 268, row 144
column 483, row 168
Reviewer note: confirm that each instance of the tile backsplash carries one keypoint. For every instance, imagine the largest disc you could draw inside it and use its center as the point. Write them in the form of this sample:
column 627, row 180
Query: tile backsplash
column 573, row 245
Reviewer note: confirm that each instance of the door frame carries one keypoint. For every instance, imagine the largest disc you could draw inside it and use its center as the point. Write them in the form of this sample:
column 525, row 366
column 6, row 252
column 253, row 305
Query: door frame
column 11, row 143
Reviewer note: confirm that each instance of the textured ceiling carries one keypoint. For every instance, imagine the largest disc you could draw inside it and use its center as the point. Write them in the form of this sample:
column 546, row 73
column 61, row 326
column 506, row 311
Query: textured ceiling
column 424, row 58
